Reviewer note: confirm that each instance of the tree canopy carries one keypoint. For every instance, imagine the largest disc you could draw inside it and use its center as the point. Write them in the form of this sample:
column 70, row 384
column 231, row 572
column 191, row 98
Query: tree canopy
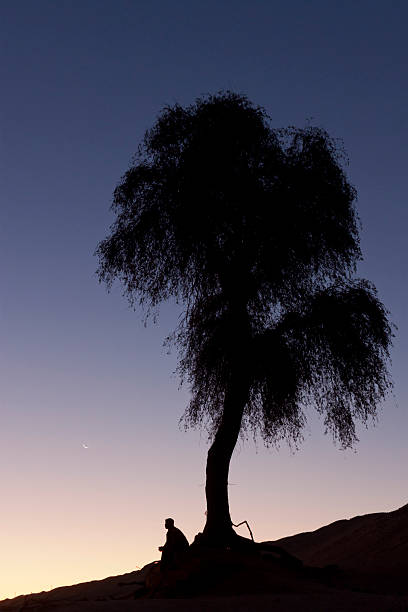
column 219, row 209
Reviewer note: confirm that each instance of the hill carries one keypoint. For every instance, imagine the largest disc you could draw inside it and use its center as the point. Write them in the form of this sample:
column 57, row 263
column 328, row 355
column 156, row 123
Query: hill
column 375, row 543
column 366, row 568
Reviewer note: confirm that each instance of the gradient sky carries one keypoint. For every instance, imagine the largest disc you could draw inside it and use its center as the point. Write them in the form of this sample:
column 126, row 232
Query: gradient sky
column 81, row 82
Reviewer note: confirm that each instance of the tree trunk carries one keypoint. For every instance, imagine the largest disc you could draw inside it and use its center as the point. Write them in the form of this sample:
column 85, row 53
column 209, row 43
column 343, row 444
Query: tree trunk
column 218, row 529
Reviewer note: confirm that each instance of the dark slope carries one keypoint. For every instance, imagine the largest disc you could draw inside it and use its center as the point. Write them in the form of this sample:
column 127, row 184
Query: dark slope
column 370, row 543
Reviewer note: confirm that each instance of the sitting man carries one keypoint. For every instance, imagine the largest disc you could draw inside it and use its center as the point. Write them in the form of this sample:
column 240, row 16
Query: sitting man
column 176, row 543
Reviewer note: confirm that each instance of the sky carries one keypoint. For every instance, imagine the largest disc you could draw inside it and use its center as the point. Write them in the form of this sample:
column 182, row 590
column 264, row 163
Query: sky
column 92, row 457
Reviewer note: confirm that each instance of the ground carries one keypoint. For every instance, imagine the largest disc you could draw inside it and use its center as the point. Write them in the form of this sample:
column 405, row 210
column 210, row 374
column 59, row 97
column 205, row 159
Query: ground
column 356, row 565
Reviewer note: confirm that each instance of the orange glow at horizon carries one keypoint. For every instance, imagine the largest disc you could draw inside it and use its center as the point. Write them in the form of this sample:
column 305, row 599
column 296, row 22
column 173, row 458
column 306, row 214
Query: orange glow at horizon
column 105, row 524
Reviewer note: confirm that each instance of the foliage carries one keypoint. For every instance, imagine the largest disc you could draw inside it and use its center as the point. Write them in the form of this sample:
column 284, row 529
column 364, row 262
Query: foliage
column 254, row 230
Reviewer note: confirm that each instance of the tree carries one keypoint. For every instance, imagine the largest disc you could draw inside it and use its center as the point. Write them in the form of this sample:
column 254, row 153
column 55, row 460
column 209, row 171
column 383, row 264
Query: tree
column 254, row 230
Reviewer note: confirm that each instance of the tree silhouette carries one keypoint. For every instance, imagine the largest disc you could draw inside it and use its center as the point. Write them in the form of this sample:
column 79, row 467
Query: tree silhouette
column 254, row 231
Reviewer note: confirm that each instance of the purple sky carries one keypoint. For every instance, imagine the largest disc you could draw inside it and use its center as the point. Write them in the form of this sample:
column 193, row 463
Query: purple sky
column 81, row 82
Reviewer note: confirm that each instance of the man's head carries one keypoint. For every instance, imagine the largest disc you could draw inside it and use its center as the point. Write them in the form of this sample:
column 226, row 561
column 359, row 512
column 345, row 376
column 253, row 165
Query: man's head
column 168, row 523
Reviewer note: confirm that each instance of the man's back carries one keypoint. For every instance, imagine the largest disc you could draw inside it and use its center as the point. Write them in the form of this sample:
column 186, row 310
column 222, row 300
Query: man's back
column 176, row 540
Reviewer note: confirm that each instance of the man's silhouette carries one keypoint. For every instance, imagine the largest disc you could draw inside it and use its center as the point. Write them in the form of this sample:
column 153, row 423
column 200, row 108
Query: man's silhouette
column 176, row 543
